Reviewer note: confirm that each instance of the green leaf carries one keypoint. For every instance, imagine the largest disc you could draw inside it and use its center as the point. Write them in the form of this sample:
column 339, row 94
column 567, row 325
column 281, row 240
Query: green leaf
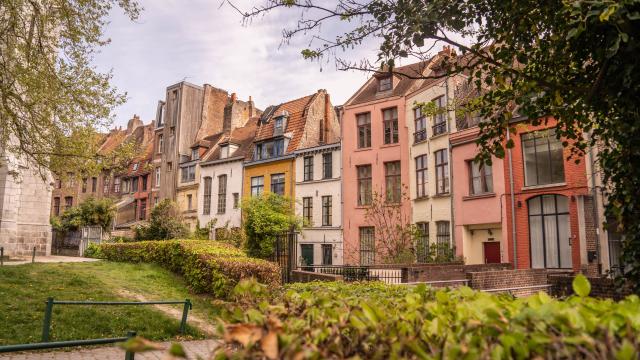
column 581, row 285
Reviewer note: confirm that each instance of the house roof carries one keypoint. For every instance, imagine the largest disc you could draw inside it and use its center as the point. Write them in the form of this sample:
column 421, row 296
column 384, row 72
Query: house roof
column 241, row 136
column 407, row 77
column 297, row 110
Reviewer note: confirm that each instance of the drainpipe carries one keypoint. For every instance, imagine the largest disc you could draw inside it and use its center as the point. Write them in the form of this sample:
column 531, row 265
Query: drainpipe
column 513, row 206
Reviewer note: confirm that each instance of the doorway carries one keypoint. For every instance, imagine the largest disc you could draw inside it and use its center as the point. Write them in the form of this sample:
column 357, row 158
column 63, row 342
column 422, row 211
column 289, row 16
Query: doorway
column 306, row 252
column 491, row 252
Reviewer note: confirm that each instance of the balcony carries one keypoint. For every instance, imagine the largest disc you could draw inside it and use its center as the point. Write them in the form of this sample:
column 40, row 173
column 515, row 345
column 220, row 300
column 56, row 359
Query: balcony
column 439, row 128
column 419, row 136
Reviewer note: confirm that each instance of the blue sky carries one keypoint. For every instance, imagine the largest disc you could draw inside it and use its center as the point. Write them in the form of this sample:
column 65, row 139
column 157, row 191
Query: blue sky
column 201, row 41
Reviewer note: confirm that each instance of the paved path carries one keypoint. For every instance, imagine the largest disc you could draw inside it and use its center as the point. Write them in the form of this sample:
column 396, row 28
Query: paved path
column 51, row 259
column 194, row 349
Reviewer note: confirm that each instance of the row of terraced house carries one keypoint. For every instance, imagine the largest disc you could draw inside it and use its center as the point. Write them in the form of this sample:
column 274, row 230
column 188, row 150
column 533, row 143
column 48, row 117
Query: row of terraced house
column 207, row 150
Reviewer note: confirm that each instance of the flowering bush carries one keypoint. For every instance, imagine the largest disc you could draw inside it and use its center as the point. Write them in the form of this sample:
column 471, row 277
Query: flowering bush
column 207, row 266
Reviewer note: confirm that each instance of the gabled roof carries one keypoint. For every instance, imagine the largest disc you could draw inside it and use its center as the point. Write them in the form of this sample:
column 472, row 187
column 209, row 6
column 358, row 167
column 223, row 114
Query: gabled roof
column 297, row 110
column 242, row 137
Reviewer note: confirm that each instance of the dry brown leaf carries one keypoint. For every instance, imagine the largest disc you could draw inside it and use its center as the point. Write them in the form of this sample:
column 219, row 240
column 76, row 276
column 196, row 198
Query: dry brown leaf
column 274, row 322
column 269, row 345
column 245, row 334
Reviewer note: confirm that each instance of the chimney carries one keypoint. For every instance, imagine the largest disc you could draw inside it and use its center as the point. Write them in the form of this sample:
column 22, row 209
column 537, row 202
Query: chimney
column 250, row 107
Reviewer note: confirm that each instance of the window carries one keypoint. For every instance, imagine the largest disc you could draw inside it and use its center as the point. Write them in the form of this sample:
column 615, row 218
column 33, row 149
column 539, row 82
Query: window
column 385, row 83
column 321, row 139
column 236, row 200
column 257, row 185
column 157, row 177
column 160, row 143
column 135, row 166
column 278, row 125
column 206, row 199
column 277, row 184
column 549, row 232
column 58, row 184
column 327, row 212
column 443, row 237
column 367, row 245
column 364, row 130
column 71, row 180
column 269, row 149
column 439, row 119
column 420, row 121
column 155, row 201
column 224, row 151
column 442, row 171
column 169, row 166
column 422, row 246
column 126, row 186
column 161, row 115
column 84, row 185
column 421, row 176
column 364, row 185
column 327, row 166
column 56, row 206
column 195, row 154
column 481, row 179
column 94, row 184
column 543, row 158
column 307, row 211
column 116, row 185
column 68, row 202
column 222, row 194
column 393, row 185
column 143, row 209
column 134, row 184
column 189, row 201
column 144, row 182
column 188, row 173
column 327, row 254
column 308, row 168
column 105, row 185
column 390, row 117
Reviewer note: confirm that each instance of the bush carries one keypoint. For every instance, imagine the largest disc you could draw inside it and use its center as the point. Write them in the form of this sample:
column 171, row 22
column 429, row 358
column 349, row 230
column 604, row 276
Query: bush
column 207, row 266
column 90, row 212
column 378, row 321
column 93, row 251
column 165, row 222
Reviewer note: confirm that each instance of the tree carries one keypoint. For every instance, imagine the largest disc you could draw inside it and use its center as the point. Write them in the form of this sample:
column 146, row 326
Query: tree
column 165, row 223
column 265, row 217
column 53, row 102
column 90, row 212
column 573, row 60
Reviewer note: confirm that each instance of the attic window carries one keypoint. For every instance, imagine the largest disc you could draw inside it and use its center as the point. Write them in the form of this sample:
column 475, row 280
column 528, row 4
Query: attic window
column 385, row 83
column 224, row 151
column 195, row 154
column 135, row 166
column 279, row 125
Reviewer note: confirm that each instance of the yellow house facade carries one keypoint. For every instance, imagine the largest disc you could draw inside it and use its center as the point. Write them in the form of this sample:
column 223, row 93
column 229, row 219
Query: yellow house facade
column 273, row 176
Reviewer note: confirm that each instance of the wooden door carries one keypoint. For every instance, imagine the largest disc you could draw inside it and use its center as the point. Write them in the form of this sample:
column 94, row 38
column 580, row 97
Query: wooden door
column 492, row 252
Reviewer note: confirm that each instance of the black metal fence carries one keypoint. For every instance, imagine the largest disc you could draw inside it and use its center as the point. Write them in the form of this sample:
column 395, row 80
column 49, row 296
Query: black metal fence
column 62, row 344
column 286, row 254
column 349, row 273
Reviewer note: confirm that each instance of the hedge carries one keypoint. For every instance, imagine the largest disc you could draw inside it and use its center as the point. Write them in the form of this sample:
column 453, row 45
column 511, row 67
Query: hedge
column 377, row 321
column 207, row 266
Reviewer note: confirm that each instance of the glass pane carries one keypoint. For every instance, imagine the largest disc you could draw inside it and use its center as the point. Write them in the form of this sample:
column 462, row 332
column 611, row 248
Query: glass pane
column 563, row 204
column 543, row 166
column 565, row 235
column 534, row 206
column 549, row 204
column 551, row 241
column 537, row 255
column 557, row 161
column 530, row 172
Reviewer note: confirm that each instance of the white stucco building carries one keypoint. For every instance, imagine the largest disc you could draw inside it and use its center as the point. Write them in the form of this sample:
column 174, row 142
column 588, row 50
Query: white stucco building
column 319, row 203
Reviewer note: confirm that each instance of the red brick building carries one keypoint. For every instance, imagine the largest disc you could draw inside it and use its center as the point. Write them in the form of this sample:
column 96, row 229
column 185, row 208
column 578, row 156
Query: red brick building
column 552, row 206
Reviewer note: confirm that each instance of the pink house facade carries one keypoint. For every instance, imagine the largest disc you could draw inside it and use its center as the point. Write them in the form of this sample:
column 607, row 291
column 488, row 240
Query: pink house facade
column 478, row 202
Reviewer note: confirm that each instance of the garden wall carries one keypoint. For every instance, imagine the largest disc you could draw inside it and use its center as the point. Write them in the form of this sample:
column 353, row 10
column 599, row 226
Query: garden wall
column 522, row 282
column 441, row 272
column 601, row 287
column 308, row 276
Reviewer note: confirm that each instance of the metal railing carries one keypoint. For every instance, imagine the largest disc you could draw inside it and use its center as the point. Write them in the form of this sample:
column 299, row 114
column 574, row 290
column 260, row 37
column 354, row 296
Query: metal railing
column 48, row 311
column 439, row 128
column 420, row 135
column 62, row 344
column 351, row 273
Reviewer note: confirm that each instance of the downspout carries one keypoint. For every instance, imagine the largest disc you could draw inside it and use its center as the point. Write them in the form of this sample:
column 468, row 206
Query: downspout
column 513, row 206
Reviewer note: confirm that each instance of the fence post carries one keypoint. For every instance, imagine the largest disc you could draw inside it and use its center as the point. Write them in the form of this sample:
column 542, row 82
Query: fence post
column 130, row 355
column 33, row 257
column 46, row 326
column 405, row 275
column 185, row 312
column 1, row 256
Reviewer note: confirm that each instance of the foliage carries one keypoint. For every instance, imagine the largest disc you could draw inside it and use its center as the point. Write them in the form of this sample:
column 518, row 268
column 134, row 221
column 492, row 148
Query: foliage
column 92, row 211
column 442, row 254
column 93, row 251
column 165, row 222
column 207, row 266
column 377, row 321
column 53, row 102
column 200, row 233
column 395, row 235
column 265, row 217
column 24, row 288
column 574, row 61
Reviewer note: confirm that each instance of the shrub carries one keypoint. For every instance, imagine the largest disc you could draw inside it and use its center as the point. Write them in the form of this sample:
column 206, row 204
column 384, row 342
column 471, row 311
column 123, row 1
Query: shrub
column 90, row 212
column 207, row 266
column 378, row 321
column 165, row 222
column 93, row 251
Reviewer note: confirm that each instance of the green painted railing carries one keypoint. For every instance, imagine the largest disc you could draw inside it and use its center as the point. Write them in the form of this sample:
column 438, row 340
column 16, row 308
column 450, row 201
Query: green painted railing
column 48, row 311
column 61, row 344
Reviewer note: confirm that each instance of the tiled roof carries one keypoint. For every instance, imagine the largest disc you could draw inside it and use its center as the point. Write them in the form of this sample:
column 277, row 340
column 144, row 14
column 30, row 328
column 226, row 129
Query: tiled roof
column 111, row 141
column 407, row 81
column 295, row 122
column 242, row 136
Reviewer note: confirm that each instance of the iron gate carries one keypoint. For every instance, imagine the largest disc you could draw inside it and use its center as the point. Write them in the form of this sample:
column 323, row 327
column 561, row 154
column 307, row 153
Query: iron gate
column 74, row 243
column 286, row 254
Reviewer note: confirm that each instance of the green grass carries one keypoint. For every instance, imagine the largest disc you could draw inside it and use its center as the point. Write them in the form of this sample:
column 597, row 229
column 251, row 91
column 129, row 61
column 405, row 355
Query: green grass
column 24, row 289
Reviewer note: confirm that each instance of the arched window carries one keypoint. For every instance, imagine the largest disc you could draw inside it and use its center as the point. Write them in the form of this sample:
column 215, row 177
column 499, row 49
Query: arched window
column 549, row 231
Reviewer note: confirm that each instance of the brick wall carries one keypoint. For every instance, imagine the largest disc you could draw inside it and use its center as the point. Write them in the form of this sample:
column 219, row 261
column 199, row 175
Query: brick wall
column 561, row 286
column 508, row 281
column 308, row 276
column 441, row 272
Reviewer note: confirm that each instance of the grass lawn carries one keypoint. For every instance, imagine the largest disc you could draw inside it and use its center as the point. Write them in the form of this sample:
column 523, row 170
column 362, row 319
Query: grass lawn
column 24, row 289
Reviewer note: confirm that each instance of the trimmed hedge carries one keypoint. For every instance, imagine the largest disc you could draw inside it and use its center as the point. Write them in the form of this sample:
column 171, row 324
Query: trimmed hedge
column 334, row 320
column 207, row 266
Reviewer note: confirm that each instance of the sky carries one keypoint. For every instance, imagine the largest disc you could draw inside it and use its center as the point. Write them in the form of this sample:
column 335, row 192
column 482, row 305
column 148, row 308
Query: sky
column 200, row 41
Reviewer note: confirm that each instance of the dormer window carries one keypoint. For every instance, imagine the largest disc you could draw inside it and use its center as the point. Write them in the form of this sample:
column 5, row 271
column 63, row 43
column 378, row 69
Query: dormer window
column 385, row 83
column 224, row 151
column 195, row 154
column 135, row 167
column 278, row 125
column 269, row 149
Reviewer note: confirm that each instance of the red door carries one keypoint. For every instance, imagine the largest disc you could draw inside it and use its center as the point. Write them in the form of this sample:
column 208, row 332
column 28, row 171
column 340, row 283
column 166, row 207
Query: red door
column 492, row 252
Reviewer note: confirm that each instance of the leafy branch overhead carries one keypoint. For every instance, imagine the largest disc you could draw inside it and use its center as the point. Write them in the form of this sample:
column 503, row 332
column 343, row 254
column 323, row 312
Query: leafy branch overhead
column 575, row 61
